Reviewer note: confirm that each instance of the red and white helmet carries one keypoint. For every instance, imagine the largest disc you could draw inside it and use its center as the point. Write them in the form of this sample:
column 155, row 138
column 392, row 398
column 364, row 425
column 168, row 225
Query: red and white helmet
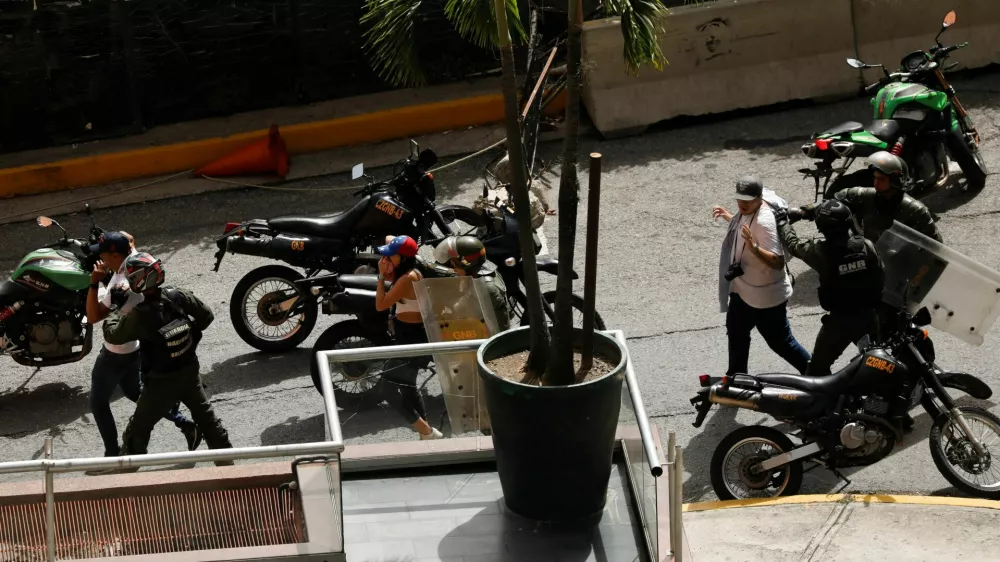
column 144, row 272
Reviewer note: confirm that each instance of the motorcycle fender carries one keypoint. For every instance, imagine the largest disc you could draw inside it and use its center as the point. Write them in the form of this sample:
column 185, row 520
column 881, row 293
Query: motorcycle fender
column 969, row 384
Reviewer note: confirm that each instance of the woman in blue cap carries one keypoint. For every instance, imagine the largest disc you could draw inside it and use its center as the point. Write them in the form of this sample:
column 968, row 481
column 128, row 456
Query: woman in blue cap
column 398, row 267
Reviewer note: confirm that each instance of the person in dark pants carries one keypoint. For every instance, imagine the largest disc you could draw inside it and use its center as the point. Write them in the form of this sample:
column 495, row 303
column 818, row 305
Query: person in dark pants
column 118, row 365
column 752, row 269
column 851, row 278
column 398, row 267
column 168, row 325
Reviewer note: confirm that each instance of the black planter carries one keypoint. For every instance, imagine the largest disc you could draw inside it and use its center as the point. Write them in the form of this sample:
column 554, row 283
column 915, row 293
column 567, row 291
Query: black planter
column 554, row 445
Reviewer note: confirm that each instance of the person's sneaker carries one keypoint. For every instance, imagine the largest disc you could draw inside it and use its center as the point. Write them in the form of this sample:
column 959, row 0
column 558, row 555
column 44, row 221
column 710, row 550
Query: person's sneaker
column 434, row 434
column 193, row 435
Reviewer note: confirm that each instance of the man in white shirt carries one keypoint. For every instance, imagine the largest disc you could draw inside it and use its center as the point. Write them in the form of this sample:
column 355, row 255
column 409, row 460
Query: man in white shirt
column 759, row 286
column 119, row 365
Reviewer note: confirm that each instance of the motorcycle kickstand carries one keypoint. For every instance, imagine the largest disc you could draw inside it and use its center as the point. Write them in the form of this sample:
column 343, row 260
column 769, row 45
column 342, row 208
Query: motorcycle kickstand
column 838, row 474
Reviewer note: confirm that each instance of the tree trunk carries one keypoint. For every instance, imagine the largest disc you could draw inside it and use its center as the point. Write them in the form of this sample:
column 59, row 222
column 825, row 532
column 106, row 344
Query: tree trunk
column 522, row 206
column 560, row 367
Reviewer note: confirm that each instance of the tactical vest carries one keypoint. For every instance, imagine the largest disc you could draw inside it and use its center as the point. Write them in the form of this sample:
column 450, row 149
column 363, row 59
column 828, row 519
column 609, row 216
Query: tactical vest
column 854, row 278
column 176, row 337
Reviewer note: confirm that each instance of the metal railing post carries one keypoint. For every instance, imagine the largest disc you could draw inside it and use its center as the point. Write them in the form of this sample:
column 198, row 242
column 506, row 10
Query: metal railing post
column 50, row 505
column 677, row 492
column 671, row 468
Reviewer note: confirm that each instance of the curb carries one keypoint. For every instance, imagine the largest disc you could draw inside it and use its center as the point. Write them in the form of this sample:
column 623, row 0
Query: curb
column 939, row 501
column 302, row 138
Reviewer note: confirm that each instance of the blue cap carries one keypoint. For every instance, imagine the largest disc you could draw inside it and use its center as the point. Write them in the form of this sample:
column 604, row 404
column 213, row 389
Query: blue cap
column 402, row 245
column 112, row 242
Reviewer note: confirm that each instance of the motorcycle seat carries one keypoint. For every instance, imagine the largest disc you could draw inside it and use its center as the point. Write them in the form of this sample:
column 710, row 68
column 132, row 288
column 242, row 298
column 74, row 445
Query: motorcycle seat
column 11, row 292
column 364, row 282
column 885, row 129
column 830, row 384
column 846, row 128
column 337, row 226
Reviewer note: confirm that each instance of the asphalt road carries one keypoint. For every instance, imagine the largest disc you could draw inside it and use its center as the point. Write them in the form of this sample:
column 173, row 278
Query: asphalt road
column 657, row 282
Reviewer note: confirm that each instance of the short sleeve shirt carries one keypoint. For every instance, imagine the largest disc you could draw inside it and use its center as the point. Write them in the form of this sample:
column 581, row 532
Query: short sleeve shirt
column 120, row 281
column 760, row 286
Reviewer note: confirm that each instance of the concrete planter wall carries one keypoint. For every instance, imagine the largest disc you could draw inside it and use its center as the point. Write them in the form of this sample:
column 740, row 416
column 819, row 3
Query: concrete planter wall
column 729, row 54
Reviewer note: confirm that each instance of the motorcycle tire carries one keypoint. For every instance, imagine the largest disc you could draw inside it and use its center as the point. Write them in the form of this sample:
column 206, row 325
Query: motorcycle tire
column 945, row 466
column 858, row 178
column 969, row 160
column 550, row 297
column 237, row 310
column 356, row 389
column 791, row 473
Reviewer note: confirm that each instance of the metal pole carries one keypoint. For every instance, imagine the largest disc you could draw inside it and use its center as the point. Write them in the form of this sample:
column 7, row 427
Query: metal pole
column 676, row 529
column 50, row 505
column 641, row 419
column 671, row 496
column 590, row 265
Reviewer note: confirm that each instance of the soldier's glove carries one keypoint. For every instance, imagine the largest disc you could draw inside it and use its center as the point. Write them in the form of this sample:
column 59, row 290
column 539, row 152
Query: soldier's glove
column 119, row 297
column 781, row 216
column 808, row 212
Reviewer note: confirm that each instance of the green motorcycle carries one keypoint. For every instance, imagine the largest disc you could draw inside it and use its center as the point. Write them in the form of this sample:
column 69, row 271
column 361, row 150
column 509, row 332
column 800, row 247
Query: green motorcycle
column 43, row 307
column 918, row 117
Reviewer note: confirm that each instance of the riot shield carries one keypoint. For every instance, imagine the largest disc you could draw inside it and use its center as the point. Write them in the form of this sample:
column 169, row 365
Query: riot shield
column 458, row 308
column 961, row 294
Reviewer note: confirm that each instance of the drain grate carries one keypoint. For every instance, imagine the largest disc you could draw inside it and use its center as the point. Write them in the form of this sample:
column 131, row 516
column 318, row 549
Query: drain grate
column 115, row 527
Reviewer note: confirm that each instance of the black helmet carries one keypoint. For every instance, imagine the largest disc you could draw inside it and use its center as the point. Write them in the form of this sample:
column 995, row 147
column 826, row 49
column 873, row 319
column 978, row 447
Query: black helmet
column 467, row 252
column 144, row 272
column 833, row 218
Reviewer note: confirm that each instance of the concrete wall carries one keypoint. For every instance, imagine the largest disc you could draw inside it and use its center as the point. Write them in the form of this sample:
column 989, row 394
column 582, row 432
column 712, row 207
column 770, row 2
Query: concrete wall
column 748, row 53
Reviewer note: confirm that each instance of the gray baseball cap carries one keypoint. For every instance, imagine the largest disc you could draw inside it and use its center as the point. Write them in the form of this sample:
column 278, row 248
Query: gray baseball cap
column 749, row 188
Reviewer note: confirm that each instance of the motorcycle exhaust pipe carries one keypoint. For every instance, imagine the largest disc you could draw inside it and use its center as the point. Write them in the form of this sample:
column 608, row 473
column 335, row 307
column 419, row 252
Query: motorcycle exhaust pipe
column 730, row 396
column 945, row 172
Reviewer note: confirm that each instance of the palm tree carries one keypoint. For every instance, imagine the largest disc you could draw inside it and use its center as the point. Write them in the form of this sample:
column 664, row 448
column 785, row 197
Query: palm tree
column 390, row 41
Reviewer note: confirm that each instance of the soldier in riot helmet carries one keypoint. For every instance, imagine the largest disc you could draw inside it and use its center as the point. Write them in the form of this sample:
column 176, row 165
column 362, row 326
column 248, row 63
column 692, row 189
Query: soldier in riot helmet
column 875, row 208
column 466, row 255
column 168, row 324
column 851, row 277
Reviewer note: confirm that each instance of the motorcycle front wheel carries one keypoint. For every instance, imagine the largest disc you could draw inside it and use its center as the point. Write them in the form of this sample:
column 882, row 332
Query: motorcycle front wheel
column 956, row 457
column 356, row 383
column 255, row 310
column 969, row 159
column 732, row 473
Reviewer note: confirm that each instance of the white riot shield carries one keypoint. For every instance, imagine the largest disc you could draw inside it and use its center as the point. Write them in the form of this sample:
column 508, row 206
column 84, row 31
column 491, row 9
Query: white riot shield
column 453, row 309
column 961, row 294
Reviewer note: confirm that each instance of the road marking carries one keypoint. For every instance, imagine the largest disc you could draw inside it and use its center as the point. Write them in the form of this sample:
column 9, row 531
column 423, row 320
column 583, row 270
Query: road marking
column 943, row 501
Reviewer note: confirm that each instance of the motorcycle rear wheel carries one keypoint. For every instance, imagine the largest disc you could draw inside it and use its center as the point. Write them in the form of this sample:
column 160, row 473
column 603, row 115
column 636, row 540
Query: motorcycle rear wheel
column 275, row 280
column 857, row 178
column 731, row 476
column 356, row 384
column 952, row 452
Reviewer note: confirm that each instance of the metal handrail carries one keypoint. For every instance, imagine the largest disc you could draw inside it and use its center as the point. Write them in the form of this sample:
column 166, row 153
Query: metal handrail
column 334, row 445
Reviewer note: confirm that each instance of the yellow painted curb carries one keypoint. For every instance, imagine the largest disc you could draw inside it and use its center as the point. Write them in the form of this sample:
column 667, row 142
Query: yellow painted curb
column 941, row 501
column 303, row 138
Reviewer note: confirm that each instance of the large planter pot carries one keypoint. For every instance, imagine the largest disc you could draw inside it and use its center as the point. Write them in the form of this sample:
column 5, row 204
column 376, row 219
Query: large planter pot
column 554, row 445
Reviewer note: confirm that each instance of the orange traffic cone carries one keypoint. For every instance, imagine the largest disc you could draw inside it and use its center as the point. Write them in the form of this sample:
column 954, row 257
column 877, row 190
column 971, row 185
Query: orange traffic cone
column 268, row 155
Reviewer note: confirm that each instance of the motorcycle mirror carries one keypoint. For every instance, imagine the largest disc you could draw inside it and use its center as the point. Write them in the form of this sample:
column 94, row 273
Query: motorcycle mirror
column 949, row 19
column 922, row 317
column 427, row 158
column 45, row 222
column 357, row 171
column 855, row 63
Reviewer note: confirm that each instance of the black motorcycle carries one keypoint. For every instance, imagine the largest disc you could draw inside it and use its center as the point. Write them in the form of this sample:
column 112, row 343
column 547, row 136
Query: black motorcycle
column 853, row 418
column 266, row 309
column 355, row 295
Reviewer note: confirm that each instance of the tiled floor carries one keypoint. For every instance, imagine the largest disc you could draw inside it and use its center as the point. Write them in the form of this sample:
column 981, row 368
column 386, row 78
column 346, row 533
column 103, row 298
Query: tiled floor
column 460, row 517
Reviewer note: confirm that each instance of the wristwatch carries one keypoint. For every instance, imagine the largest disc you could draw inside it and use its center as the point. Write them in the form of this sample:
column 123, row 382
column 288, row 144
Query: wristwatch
column 95, row 285
column 756, row 247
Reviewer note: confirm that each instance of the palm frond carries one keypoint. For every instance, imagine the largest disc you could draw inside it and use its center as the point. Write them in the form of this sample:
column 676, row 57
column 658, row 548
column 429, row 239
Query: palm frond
column 391, row 40
column 642, row 23
column 475, row 22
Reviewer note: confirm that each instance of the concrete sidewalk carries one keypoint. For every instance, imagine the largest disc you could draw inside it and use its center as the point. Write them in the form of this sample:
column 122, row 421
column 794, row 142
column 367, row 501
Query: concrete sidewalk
column 842, row 528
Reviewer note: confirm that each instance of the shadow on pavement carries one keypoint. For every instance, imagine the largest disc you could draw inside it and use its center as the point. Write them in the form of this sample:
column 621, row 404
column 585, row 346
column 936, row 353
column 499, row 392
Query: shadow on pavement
column 256, row 370
column 43, row 408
